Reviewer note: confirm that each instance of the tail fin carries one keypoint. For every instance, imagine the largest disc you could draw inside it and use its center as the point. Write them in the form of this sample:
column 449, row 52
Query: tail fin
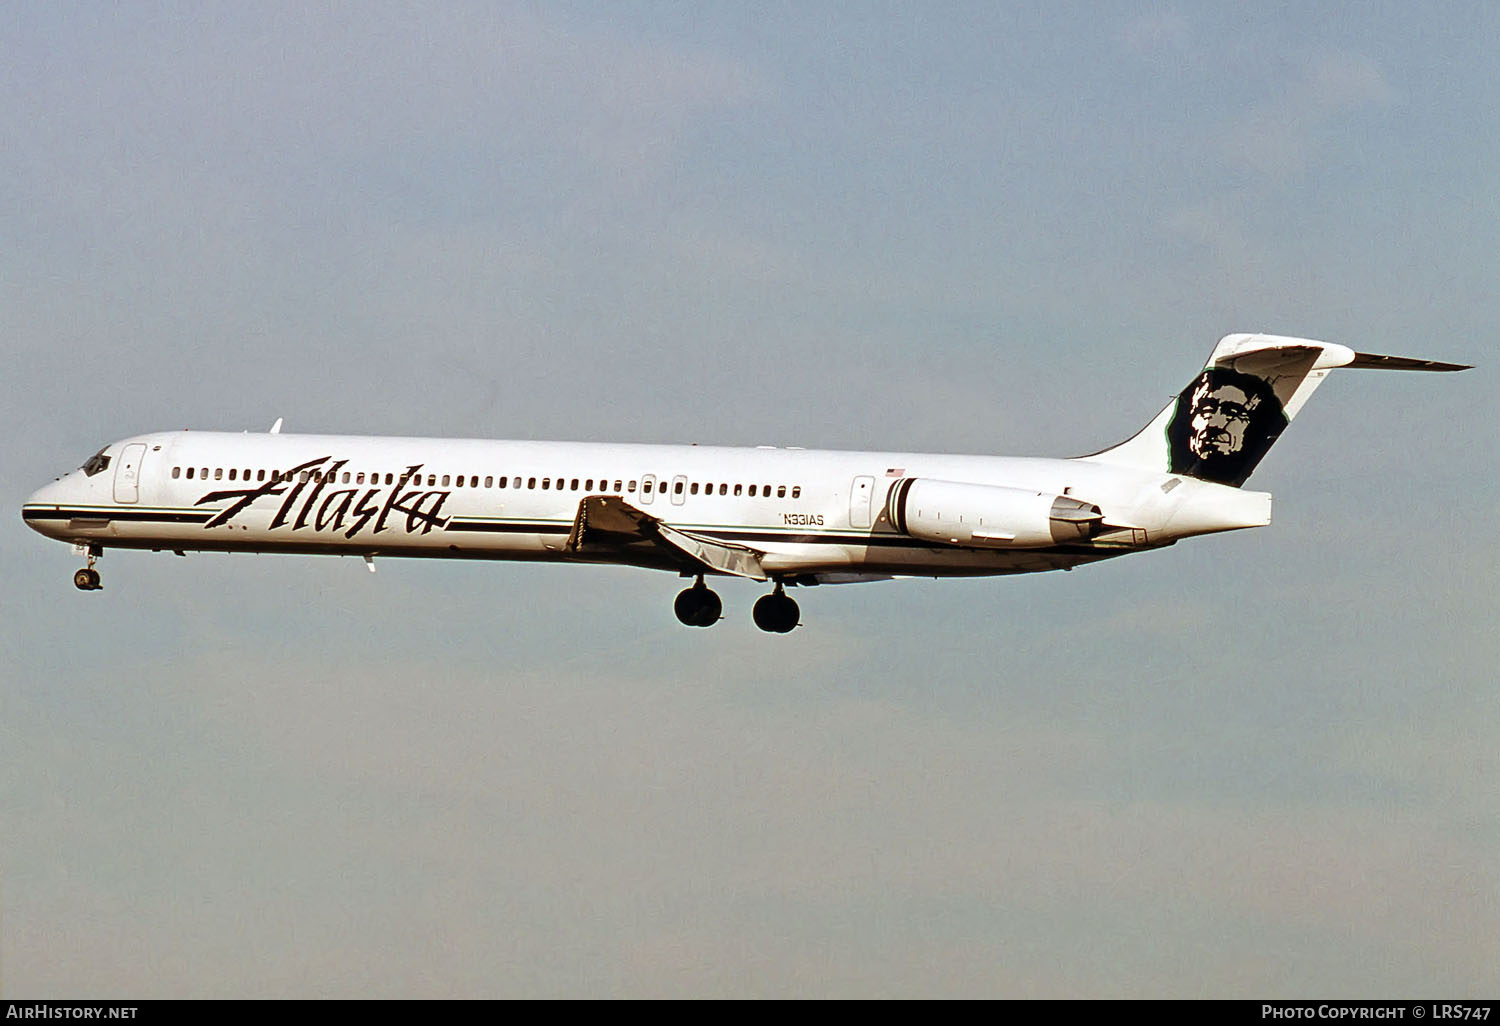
column 1221, row 425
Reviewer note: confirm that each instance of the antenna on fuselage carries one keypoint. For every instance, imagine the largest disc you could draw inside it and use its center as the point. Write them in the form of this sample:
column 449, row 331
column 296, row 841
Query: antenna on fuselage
column 276, row 427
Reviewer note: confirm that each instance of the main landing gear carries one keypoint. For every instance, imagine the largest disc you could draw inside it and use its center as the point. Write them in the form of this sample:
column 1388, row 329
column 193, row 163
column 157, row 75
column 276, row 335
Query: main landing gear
column 87, row 579
column 698, row 606
column 775, row 612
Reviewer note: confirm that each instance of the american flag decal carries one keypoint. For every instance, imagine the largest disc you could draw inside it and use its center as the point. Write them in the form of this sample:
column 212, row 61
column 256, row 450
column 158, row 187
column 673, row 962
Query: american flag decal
column 895, row 471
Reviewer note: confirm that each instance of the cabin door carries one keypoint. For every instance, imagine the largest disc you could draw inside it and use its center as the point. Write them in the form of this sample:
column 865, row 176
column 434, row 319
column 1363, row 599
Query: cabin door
column 128, row 473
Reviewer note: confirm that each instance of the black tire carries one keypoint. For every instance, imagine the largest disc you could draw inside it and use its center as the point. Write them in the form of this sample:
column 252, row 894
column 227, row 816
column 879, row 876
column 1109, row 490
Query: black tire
column 776, row 614
column 698, row 607
column 86, row 580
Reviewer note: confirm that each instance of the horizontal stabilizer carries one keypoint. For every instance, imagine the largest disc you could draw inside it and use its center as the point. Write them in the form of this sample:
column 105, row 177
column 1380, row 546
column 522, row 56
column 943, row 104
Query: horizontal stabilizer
column 1370, row 361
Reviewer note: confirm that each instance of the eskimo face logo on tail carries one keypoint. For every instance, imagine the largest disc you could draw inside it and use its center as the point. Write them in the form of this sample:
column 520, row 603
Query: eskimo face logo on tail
column 311, row 503
column 1224, row 423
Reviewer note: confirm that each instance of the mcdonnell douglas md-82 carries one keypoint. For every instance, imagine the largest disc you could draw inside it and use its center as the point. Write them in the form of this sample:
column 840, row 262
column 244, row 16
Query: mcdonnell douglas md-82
column 783, row 516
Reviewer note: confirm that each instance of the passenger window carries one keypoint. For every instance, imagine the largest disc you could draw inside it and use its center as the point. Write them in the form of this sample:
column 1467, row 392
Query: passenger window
column 723, row 489
column 489, row 480
column 781, row 491
column 260, row 475
column 305, row 477
column 531, row 482
column 737, row 489
column 796, row 491
column 617, row 486
column 693, row 489
column 752, row 491
column 232, row 472
column 176, row 472
column 646, row 487
column 588, row 485
column 575, row 484
column 218, row 473
column 546, row 483
column 677, row 488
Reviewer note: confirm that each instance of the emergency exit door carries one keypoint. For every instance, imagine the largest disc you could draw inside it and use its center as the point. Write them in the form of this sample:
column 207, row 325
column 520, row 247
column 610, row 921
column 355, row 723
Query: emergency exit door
column 860, row 494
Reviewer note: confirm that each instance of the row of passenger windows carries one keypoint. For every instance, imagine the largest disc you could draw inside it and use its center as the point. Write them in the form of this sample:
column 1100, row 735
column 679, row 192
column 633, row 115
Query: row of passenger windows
column 647, row 486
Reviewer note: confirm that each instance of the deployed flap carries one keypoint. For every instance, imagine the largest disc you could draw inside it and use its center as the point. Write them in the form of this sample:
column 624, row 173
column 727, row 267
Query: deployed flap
column 725, row 557
column 609, row 522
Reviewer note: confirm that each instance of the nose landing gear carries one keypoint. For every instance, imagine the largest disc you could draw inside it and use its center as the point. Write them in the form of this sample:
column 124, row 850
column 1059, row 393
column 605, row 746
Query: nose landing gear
column 87, row 579
column 698, row 606
column 775, row 612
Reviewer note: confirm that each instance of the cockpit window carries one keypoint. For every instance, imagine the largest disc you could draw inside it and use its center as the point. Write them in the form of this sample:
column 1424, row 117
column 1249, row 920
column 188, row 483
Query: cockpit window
column 95, row 463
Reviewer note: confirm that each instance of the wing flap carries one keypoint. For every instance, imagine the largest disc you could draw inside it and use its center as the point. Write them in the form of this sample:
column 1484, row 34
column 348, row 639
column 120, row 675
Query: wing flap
column 609, row 523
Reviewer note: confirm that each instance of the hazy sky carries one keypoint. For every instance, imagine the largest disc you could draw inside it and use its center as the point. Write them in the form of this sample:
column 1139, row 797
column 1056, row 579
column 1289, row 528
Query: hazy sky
column 1257, row 765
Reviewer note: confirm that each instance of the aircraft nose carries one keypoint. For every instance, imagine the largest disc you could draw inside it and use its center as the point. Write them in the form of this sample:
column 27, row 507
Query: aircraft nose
column 41, row 507
column 47, row 495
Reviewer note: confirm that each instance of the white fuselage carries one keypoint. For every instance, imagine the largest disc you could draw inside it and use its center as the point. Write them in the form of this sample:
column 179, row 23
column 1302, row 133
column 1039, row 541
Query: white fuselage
column 811, row 514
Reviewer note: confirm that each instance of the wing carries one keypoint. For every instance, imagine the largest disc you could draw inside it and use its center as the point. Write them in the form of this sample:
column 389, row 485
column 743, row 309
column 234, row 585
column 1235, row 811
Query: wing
column 607, row 523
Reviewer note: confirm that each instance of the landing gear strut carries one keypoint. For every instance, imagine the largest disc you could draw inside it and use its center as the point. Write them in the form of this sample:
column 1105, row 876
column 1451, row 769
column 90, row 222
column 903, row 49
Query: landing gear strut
column 87, row 579
column 698, row 606
column 775, row 612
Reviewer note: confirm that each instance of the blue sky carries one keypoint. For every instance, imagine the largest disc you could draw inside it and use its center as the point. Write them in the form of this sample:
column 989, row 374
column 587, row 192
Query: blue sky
column 1255, row 765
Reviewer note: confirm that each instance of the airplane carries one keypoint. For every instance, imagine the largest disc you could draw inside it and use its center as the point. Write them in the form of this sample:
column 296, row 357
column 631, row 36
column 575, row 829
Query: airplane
column 789, row 517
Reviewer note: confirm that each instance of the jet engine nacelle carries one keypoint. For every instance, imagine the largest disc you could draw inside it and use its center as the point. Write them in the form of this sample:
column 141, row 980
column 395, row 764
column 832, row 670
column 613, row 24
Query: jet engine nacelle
column 989, row 516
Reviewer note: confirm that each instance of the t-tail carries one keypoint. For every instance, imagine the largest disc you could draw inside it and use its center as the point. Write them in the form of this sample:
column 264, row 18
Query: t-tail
column 1225, row 421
